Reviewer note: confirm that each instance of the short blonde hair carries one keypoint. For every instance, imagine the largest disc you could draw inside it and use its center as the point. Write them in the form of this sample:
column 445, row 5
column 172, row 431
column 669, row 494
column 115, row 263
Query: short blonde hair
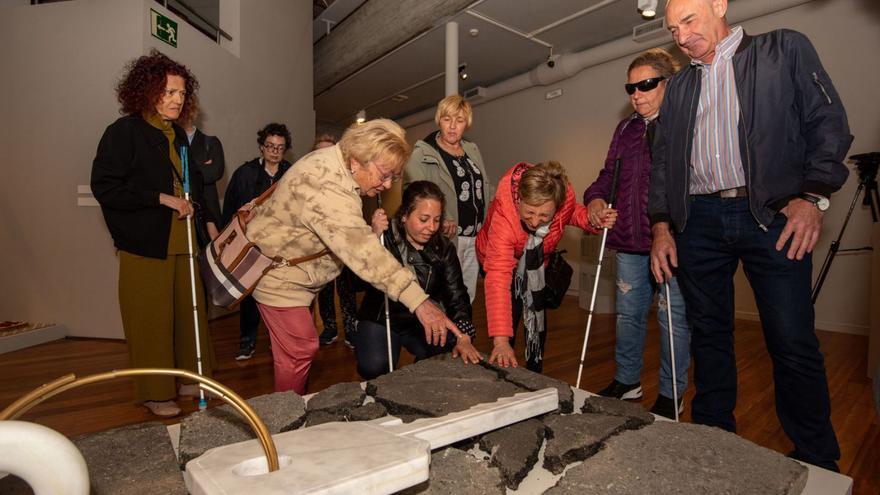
column 453, row 105
column 379, row 139
column 543, row 182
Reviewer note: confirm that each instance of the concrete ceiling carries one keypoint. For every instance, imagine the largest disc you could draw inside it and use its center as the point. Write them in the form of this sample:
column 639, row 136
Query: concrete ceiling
column 492, row 55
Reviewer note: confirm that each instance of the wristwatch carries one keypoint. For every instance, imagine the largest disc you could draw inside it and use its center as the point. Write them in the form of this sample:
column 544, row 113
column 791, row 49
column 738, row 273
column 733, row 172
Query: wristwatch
column 822, row 203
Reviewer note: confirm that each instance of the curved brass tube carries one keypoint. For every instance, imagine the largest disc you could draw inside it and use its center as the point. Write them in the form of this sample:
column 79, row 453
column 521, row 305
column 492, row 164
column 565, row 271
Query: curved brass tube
column 67, row 382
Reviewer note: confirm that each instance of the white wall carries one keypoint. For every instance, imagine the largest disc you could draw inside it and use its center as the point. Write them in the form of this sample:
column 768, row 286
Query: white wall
column 576, row 128
column 61, row 62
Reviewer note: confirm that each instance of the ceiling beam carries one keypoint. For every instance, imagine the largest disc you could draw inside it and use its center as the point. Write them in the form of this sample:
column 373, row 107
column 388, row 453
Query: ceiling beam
column 373, row 30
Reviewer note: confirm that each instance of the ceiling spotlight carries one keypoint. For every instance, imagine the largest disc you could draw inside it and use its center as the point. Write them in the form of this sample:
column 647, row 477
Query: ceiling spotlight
column 647, row 8
column 361, row 116
column 462, row 71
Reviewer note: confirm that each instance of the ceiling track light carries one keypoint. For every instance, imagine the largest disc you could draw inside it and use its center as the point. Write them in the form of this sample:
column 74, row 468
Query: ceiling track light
column 361, row 116
column 462, row 71
column 647, row 8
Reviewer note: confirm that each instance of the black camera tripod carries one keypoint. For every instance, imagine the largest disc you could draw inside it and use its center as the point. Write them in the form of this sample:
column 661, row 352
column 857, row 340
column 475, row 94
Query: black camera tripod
column 867, row 165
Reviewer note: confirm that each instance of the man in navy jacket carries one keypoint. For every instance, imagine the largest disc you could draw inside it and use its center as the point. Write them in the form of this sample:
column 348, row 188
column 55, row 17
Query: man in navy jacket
column 749, row 147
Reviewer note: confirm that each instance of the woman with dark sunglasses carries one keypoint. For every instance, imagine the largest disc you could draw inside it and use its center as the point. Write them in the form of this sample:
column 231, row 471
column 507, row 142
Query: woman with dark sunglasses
column 631, row 238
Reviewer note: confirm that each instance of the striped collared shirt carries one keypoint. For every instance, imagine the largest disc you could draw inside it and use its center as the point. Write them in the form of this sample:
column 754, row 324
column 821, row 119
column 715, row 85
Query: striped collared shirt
column 716, row 163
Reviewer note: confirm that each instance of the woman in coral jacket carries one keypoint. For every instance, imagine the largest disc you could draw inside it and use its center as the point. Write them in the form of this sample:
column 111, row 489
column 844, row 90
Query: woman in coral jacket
column 525, row 222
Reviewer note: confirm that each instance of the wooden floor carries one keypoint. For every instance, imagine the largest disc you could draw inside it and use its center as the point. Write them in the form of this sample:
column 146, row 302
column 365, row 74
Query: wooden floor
column 108, row 405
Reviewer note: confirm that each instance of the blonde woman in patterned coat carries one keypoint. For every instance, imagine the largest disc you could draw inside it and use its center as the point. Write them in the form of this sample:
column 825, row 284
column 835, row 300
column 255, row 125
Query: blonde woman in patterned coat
column 315, row 207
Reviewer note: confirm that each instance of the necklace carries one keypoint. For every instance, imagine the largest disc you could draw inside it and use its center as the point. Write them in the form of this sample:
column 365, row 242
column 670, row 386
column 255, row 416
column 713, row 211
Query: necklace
column 459, row 152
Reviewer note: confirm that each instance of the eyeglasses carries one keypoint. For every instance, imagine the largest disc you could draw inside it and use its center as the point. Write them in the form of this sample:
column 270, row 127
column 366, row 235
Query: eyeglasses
column 279, row 148
column 385, row 176
column 644, row 85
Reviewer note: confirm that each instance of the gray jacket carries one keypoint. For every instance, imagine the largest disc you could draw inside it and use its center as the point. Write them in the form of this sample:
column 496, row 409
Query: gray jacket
column 427, row 164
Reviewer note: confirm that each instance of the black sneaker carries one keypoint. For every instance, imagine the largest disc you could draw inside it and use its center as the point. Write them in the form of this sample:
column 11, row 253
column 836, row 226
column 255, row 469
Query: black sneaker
column 349, row 339
column 664, row 407
column 328, row 337
column 246, row 351
column 622, row 391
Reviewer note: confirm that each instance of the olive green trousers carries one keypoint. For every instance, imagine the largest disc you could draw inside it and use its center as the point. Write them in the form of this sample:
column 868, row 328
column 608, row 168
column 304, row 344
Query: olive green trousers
column 155, row 300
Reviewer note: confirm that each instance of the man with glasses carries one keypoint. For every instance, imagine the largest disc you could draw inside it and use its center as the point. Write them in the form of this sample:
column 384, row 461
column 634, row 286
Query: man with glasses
column 750, row 145
column 249, row 181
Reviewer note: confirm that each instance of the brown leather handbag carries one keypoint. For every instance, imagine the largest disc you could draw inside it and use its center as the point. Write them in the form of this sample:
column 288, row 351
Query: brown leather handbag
column 231, row 265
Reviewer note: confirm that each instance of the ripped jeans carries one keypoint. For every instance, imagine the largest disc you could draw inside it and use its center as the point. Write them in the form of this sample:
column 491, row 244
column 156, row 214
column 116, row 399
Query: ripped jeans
column 635, row 295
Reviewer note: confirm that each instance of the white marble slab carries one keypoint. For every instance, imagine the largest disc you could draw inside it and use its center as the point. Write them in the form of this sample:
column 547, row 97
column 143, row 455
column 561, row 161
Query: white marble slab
column 328, row 459
column 480, row 419
column 378, row 457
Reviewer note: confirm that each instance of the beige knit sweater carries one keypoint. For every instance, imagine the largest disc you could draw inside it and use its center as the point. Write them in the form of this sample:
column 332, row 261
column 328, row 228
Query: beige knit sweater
column 316, row 206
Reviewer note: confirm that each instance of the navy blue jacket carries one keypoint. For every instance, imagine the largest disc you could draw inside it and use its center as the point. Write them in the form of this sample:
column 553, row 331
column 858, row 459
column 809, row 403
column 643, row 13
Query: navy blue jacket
column 793, row 131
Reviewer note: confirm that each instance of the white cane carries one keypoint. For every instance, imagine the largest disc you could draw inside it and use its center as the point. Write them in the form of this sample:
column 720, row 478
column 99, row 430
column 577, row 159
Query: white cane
column 611, row 199
column 387, row 315
column 671, row 349
column 184, row 161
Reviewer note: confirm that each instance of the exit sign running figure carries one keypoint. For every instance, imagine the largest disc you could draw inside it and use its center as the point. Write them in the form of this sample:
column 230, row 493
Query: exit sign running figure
column 163, row 28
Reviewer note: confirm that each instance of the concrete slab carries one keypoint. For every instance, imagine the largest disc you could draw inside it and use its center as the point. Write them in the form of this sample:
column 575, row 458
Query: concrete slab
column 456, row 471
column 514, row 449
column 530, row 380
column 203, row 430
column 685, row 459
column 340, row 398
column 575, row 437
column 321, row 416
column 368, row 412
column 636, row 414
column 132, row 460
column 438, row 386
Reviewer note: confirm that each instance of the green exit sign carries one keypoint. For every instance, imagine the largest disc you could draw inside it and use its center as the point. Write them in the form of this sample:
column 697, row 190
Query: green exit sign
column 163, row 28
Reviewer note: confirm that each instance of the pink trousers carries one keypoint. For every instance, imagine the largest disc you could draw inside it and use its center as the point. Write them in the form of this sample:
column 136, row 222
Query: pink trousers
column 294, row 345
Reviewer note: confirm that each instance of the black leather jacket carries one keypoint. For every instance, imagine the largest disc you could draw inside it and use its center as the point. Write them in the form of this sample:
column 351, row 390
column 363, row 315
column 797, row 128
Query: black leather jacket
column 439, row 273
column 793, row 130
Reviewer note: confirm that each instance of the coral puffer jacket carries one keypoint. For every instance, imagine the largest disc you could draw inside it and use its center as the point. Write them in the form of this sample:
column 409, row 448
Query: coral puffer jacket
column 502, row 240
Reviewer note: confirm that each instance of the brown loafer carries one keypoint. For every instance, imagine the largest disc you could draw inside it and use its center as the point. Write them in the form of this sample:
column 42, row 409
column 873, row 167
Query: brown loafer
column 164, row 409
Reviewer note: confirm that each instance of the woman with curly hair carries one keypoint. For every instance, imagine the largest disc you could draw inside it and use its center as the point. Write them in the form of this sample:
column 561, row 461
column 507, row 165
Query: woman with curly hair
column 137, row 179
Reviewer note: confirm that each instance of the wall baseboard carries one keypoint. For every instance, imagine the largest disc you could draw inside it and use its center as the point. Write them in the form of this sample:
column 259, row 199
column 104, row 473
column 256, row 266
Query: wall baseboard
column 829, row 326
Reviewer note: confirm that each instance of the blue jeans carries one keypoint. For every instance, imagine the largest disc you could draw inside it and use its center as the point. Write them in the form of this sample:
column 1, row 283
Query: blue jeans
column 635, row 294
column 719, row 234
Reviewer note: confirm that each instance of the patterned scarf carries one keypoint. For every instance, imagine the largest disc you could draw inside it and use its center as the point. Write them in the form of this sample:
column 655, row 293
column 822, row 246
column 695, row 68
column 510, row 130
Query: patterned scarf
column 528, row 282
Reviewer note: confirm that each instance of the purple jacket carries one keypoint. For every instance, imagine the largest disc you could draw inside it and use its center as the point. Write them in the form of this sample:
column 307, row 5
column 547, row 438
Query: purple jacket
column 632, row 232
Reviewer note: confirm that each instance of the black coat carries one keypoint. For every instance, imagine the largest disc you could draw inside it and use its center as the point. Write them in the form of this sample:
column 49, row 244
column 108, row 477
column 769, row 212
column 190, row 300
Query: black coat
column 131, row 167
column 248, row 182
column 793, row 131
column 207, row 153
column 439, row 274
